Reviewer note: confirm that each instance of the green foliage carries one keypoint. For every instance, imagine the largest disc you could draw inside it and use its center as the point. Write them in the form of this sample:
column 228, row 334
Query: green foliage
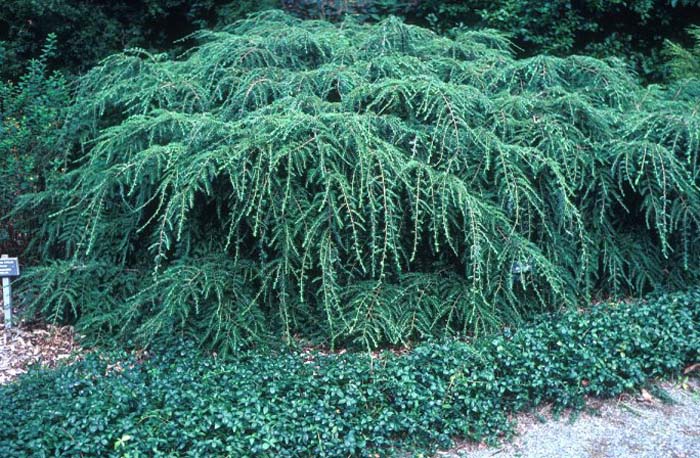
column 311, row 404
column 361, row 9
column 31, row 115
column 89, row 31
column 685, row 62
column 368, row 184
column 632, row 29
column 557, row 26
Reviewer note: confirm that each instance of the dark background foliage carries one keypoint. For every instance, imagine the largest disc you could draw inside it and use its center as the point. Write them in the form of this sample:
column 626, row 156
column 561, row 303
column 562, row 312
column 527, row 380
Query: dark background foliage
column 88, row 30
column 32, row 110
column 632, row 29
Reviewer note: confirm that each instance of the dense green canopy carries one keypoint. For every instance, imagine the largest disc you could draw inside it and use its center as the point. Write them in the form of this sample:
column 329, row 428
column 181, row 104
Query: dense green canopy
column 365, row 183
column 684, row 63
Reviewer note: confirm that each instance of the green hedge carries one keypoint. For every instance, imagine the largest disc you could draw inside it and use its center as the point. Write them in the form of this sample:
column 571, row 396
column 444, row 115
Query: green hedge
column 310, row 404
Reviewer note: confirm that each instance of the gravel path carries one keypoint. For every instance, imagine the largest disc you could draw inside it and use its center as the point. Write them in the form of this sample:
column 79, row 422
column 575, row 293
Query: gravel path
column 641, row 427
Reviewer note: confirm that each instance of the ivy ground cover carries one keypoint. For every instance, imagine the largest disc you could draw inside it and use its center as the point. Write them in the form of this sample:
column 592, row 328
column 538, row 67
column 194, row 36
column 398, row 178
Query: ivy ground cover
column 298, row 404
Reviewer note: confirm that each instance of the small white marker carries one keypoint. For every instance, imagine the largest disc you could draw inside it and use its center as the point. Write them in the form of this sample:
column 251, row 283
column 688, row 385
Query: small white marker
column 9, row 267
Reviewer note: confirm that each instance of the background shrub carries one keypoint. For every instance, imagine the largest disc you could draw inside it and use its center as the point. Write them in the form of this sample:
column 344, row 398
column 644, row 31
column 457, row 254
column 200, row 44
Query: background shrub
column 684, row 63
column 634, row 30
column 88, row 31
column 32, row 112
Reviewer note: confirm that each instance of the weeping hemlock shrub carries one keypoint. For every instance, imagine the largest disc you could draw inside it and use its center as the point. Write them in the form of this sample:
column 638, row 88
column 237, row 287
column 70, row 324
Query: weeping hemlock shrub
column 362, row 184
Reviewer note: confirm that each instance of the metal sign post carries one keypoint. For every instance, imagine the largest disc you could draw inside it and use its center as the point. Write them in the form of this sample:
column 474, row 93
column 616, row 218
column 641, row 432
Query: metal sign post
column 9, row 267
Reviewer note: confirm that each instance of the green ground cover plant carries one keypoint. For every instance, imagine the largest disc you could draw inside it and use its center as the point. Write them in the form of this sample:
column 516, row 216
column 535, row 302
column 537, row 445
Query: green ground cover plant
column 310, row 404
column 360, row 184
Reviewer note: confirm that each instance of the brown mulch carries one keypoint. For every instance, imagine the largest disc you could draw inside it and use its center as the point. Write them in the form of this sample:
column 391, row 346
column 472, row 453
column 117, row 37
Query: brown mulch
column 24, row 345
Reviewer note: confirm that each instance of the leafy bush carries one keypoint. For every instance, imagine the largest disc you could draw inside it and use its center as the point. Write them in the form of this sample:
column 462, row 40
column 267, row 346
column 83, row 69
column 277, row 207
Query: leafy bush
column 89, row 31
column 312, row 404
column 685, row 62
column 367, row 184
column 631, row 29
column 31, row 116
column 361, row 9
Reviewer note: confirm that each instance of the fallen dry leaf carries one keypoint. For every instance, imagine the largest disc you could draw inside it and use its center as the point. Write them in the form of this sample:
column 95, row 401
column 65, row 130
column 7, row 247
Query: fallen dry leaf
column 646, row 396
column 25, row 345
column 691, row 368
